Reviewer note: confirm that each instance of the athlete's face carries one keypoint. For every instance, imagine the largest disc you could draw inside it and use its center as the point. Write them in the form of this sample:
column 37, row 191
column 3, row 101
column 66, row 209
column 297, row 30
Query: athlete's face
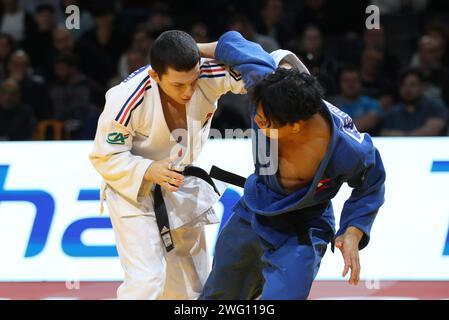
column 271, row 130
column 178, row 85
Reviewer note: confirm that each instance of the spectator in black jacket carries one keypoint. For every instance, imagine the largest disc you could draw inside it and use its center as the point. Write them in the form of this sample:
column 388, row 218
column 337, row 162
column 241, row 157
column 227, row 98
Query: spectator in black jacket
column 17, row 120
column 6, row 48
column 33, row 88
column 39, row 42
column 71, row 95
column 106, row 39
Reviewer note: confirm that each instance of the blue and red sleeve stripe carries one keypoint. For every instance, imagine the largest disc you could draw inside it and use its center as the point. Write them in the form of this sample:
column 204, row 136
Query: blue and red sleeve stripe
column 133, row 101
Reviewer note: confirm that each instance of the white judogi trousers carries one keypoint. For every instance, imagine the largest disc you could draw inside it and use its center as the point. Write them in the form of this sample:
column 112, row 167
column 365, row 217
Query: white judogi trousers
column 151, row 272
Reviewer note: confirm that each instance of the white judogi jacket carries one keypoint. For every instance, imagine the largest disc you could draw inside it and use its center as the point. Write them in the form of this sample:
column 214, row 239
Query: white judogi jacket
column 132, row 133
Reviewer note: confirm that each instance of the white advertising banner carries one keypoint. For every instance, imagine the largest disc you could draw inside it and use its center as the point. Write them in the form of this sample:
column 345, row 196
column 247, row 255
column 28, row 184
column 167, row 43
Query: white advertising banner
column 50, row 227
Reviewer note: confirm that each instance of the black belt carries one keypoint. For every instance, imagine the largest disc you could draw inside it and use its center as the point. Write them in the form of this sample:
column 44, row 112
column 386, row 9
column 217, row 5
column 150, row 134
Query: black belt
column 290, row 220
column 227, row 176
column 161, row 210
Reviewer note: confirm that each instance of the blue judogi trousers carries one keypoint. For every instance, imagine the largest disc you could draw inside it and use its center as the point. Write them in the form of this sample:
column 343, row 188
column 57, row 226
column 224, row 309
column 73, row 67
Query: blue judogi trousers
column 276, row 258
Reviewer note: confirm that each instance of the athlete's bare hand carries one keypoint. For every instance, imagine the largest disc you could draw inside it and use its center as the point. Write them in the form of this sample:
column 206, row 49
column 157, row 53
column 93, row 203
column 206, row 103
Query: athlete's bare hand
column 348, row 243
column 159, row 173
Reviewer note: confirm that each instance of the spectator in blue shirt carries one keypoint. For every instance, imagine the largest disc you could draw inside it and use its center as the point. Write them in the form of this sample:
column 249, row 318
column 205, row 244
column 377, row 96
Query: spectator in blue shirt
column 364, row 110
column 416, row 114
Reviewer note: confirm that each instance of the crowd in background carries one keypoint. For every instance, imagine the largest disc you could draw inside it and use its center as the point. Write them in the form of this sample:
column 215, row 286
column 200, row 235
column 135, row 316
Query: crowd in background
column 393, row 81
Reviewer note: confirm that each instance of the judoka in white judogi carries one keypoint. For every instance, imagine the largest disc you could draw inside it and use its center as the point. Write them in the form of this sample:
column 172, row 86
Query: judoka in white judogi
column 132, row 133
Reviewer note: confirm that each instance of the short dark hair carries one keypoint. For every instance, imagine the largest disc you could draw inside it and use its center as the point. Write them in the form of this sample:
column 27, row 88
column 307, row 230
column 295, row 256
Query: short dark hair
column 67, row 59
column 287, row 96
column 9, row 39
column 411, row 72
column 175, row 49
column 350, row 69
column 45, row 7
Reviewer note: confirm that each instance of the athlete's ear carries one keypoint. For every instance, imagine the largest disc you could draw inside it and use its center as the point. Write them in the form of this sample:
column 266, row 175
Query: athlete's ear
column 261, row 123
column 260, row 118
column 153, row 74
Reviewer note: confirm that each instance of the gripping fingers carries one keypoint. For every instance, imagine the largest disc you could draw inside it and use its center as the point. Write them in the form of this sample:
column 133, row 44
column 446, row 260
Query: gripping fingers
column 174, row 175
column 169, row 187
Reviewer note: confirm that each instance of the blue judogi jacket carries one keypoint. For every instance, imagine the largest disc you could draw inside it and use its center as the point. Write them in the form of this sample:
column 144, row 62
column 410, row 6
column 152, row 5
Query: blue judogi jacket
column 351, row 157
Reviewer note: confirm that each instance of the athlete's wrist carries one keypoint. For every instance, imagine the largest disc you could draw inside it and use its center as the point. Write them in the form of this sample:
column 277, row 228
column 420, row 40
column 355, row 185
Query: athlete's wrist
column 354, row 232
column 148, row 176
column 207, row 50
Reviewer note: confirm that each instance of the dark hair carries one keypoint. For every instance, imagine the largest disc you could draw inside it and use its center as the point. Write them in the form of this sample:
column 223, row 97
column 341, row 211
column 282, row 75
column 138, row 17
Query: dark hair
column 438, row 26
column 240, row 18
column 8, row 38
column 68, row 59
column 142, row 28
column 99, row 10
column 411, row 72
column 288, row 95
column 349, row 68
column 45, row 7
column 175, row 49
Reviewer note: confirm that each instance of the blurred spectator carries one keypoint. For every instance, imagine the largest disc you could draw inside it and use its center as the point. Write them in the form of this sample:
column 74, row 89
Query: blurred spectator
column 31, row 6
column 33, row 88
column 70, row 94
column 92, row 61
column 440, row 31
column 134, row 59
column 6, row 48
column 63, row 41
column 200, row 32
column 242, row 24
column 400, row 6
column 89, row 128
column 160, row 19
column 106, row 39
column 17, row 121
column 428, row 61
column 374, row 83
column 314, row 12
column 331, row 17
column 320, row 62
column 375, row 38
column 141, row 42
column 415, row 115
column 270, row 21
column 39, row 42
column 14, row 20
column 365, row 111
